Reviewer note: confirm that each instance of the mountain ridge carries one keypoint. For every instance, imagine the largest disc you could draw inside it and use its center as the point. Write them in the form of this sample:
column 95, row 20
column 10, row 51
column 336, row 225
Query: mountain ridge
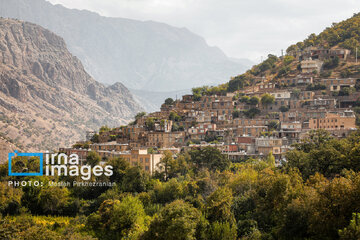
column 140, row 54
column 46, row 97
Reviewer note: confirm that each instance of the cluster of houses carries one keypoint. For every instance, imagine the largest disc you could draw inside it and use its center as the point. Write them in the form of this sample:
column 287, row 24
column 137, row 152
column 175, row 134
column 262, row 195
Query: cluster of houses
column 312, row 58
column 219, row 121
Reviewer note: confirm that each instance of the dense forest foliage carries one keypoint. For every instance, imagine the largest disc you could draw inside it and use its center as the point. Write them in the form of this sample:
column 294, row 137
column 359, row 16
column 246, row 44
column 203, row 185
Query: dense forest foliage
column 200, row 194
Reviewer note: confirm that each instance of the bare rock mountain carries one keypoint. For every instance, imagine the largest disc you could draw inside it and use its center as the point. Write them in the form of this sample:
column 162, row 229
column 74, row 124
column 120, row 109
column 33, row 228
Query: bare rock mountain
column 146, row 55
column 47, row 99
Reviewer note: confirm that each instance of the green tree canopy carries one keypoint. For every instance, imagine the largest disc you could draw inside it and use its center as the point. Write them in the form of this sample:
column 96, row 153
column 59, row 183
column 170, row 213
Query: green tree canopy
column 125, row 219
column 209, row 157
column 93, row 158
column 169, row 101
column 267, row 99
column 177, row 221
column 254, row 100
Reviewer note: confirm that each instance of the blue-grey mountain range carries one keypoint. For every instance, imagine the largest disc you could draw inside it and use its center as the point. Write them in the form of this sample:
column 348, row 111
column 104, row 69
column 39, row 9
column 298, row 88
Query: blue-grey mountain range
column 143, row 55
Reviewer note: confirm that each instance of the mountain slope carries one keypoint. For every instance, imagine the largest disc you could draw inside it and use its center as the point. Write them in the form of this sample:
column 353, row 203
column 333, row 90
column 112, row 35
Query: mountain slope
column 142, row 55
column 6, row 146
column 46, row 97
column 345, row 34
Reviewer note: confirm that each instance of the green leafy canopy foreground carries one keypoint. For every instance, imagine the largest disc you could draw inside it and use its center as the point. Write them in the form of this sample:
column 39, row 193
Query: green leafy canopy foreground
column 200, row 194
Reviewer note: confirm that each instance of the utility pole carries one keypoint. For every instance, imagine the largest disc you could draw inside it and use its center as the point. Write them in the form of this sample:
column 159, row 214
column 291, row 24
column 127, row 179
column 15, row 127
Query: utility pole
column 356, row 54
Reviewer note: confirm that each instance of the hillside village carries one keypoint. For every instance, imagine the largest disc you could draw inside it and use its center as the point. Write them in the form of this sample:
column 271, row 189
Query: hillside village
column 320, row 90
column 274, row 153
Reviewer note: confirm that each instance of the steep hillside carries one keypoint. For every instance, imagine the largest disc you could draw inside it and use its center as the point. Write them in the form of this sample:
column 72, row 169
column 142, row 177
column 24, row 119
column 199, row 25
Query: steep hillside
column 345, row 34
column 46, row 97
column 6, row 146
column 147, row 56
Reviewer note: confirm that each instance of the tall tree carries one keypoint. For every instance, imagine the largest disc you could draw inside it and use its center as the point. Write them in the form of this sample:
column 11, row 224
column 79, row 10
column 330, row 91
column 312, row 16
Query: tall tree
column 177, row 221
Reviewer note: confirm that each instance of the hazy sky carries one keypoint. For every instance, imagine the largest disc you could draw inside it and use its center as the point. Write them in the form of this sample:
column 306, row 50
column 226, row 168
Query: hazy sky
column 241, row 28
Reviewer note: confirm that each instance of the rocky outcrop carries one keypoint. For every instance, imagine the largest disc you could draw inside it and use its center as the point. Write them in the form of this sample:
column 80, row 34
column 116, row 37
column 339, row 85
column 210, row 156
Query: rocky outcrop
column 47, row 99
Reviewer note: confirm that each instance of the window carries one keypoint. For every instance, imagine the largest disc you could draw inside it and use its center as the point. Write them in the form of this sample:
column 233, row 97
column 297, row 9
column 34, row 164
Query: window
column 147, row 168
column 146, row 160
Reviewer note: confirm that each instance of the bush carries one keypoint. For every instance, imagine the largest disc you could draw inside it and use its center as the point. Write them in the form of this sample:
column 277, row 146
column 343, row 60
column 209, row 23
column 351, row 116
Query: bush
column 244, row 99
column 346, row 91
column 312, row 87
column 125, row 219
column 251, row 113
column 288, row 59
column 325, row 74
column 236, row 114
column 169, row 101
column 177, row 220
column 331, row 63
column 353, row 230
column 283, row 71
column 345, row 73
column 284, row 109
column 254, row 100
column 267, row 99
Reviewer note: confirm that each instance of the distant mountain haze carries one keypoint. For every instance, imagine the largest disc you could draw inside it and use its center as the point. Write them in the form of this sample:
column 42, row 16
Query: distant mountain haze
column 147, row 55
column 152, row 100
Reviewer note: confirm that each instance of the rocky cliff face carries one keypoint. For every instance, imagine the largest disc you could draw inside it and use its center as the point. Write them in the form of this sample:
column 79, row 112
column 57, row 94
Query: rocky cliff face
column 142, row 55
column 46, row 97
